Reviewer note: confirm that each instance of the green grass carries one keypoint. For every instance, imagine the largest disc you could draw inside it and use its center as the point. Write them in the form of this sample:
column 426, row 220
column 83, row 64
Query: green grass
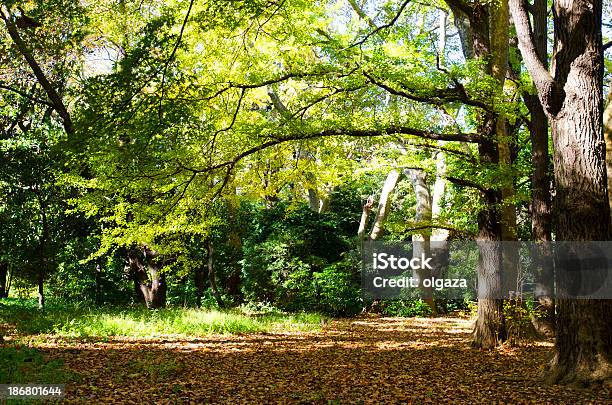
column 74, row 321
column 22, row 365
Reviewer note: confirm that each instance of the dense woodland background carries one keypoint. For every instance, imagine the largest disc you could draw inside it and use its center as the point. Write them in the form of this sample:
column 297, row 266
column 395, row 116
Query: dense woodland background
column 228, row 154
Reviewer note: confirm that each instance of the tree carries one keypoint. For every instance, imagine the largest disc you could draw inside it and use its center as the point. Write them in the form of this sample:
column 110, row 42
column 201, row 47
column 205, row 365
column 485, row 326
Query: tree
column 572, row 99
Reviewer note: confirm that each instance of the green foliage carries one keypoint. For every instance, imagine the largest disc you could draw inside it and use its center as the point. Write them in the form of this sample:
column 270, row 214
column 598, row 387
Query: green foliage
column 518, row 315
column 299, row 260
column 407, row 308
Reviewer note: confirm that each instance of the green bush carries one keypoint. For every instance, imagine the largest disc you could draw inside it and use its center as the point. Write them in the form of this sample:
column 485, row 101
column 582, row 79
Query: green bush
column 407, row 308
column 339, row 290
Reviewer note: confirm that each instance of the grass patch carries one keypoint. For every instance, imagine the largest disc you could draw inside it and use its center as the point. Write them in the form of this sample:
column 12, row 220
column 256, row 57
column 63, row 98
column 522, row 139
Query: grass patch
column 22, row 365
column 74, row 321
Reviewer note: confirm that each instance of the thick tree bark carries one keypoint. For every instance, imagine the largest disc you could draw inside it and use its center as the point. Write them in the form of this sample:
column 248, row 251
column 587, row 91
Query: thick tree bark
column 148, row 276
column 211, row 274
column 3, row 279
column 489, row 330
column 473, row 21
column 573, row 102
column 541, row 227
column 608, row 138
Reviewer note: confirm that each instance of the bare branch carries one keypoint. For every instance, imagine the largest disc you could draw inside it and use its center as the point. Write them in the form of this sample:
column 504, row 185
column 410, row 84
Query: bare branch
column 382, row 27
column 56, row 99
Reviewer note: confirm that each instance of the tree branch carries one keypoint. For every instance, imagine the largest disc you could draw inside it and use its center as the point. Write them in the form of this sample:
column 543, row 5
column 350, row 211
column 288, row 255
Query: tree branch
column 24, row 94
column 460, row 5
column 436, row 97
column 362, row 14
column 359, row 133
column 465, row 183
column 551, row 95
column 56, row 99
column 171, row 57
column 382, row 27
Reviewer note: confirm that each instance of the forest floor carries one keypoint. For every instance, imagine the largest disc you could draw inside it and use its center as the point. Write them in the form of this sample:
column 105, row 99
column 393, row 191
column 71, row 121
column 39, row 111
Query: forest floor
column 363, row 360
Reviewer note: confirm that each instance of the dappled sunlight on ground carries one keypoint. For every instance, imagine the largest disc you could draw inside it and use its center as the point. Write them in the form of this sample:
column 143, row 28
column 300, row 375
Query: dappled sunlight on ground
column 418, row 360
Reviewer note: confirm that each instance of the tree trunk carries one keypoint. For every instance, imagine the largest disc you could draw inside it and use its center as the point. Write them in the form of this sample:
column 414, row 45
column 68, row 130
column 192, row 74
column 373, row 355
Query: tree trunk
column 211, row 274
column 41, row 290
column 44, row 238
column 439, row 237
column 313, row 200
column 421, row 240
column 199, row 285
column 365, row 215
column 474, row 26
column 608, row 138
column 3, row 279
column 235, row 244
column 98, row 286
column 384, row 204
column 148, row 276
column 489, row 330
column 573, row 101
column 540, row 186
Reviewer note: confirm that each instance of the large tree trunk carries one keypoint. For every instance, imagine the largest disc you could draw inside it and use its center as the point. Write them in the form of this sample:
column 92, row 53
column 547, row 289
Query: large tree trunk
column 608, row 138
column 439, row 237
column 541, row 227
column 473, row 22
column 3, row 279
column 573, row 102
column 489, row 329
column 421, row 240
column 148, row 276
column 500, row 18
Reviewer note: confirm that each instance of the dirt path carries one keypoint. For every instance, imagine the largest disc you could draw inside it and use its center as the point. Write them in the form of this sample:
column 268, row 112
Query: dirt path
column 372, row 360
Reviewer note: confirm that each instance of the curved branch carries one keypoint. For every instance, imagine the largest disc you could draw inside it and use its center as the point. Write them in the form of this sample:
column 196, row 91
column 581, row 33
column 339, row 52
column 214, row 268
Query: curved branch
column 550, row 93
column 436, row 97
column 56, row 99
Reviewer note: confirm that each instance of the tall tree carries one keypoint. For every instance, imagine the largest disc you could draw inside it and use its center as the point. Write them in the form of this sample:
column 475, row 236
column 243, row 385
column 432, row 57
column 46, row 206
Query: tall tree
column 572, row 98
